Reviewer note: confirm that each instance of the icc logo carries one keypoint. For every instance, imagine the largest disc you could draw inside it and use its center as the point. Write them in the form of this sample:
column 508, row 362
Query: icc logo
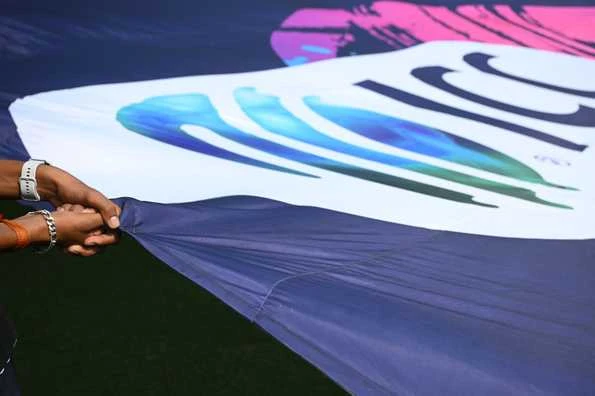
column 162, row 118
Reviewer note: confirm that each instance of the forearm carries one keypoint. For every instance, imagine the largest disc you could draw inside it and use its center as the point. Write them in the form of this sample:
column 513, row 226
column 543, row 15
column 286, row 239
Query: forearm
column 9, row 179
column 10, row 171
column 36, row 230
column 8, row 239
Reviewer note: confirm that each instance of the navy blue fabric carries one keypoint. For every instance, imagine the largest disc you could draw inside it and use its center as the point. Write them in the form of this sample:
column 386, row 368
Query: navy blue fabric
column 8, row 382
column 379, row 307
column 387, row 308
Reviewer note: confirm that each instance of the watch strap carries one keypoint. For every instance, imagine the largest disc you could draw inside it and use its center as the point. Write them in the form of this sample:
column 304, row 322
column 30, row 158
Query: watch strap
column 28, row 180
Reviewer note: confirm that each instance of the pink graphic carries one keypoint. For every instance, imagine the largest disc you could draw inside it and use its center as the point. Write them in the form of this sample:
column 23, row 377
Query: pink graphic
column 313, row 34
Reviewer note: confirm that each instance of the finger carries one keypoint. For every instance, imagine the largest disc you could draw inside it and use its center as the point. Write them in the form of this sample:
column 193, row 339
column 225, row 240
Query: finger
column 77, row 208
column 89, row 210
column 102, row 240
column 85, row 251
column 97, row 232
column 90, row 251
column 74, row 250
column 93, row 222
column 66, row 207
column 71, row 250
column 109, row 211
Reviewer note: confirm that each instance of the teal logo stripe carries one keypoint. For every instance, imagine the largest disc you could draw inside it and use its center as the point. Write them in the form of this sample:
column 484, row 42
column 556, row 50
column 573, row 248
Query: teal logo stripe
column 268, row 112
column 161, row 118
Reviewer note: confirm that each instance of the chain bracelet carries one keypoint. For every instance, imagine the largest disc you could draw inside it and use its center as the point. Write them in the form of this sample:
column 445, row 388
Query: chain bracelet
column 51, row 229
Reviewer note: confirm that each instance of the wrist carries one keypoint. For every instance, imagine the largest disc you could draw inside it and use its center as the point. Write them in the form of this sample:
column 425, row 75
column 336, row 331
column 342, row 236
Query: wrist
column 36, row 227
column 47, row 181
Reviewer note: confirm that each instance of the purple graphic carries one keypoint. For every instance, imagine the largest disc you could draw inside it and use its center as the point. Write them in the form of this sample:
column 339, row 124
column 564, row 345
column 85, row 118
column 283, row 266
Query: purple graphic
column 313, row 34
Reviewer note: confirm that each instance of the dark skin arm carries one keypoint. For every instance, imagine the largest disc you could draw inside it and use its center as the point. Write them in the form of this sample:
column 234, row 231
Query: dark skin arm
column 72, row 228
column 60, row 188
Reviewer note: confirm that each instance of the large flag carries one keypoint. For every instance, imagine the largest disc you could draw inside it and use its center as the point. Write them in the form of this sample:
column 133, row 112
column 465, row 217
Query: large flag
column 401, row 193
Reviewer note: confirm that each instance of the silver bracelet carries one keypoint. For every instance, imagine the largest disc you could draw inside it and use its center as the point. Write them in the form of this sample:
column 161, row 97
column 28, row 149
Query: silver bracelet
column 51, row 229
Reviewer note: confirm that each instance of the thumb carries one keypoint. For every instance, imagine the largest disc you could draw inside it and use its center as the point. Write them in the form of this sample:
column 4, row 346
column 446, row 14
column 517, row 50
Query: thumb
column 110, row 212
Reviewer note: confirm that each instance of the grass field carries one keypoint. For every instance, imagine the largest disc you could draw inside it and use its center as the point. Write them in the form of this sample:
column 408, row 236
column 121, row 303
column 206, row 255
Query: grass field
column 124, row 323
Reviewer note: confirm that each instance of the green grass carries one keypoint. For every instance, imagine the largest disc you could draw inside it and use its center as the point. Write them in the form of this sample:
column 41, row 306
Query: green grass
column 124, row 323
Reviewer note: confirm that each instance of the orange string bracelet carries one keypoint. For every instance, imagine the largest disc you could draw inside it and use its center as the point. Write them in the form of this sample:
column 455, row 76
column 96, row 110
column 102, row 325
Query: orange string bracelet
column 23, row 239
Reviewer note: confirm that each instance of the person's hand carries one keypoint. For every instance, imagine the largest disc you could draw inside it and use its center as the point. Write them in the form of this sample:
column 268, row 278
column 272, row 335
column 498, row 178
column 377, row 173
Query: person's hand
column 73, row 228
column 95, row 241
column 60, row 187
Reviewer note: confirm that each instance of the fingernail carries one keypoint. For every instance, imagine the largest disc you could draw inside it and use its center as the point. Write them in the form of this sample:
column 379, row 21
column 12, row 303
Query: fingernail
column 114, row 222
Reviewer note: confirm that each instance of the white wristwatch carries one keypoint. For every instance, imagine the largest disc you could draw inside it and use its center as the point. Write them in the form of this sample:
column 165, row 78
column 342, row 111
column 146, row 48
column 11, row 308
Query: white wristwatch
column 28, row 181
